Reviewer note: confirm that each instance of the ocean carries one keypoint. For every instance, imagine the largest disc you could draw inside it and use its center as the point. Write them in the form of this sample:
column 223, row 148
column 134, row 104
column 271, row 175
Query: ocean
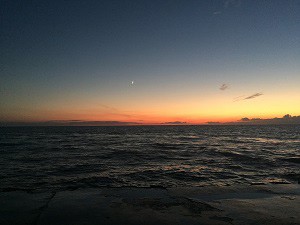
column 68, row 158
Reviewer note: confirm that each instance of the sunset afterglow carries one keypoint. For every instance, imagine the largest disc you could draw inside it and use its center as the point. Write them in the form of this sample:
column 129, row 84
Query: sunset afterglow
column 151, row 63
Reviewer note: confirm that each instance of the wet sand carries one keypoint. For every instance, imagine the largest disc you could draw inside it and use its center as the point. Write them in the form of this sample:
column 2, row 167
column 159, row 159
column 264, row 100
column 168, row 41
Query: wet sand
column 255, row 204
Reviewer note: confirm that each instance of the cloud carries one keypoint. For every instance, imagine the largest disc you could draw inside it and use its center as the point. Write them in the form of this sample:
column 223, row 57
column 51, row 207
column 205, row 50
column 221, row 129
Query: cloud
column 253, row 96
column 109, row 110
column 232, row 3
column 225, row 5
column 245, row 119
column 213, row 123
column 242, row 97
column 108, row 107
column 239, row 98
column 223, row 87
column 217, row 12
column 175, row 123
column 71, row 123
column 286, row 119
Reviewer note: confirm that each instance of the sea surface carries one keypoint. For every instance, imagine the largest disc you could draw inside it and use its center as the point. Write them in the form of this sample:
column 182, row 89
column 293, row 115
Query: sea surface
column 61, row 158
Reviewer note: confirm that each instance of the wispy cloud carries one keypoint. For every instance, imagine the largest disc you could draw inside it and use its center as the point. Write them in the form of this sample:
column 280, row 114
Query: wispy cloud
column 217, row 12
column 109, row 110
column 224, row 87
column 242, row 97
column 232, row 3
column 225, row 5
column 253, row 96
column 108, row 107
column 239, row 98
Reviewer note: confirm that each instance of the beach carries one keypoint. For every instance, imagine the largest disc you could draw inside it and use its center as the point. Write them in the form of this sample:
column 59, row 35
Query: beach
column 242, row 204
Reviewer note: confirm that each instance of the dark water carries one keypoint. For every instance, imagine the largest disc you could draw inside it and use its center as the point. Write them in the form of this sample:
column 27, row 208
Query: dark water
column 56, row 158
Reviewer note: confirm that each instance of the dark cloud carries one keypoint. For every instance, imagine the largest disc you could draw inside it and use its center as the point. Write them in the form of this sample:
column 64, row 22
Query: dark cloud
column 213, row 123
column 70, row 123
column 242, row 97
column 224, row 87
column 287, row 119
column 253, row 96
column 245, row 119
column 175, row 123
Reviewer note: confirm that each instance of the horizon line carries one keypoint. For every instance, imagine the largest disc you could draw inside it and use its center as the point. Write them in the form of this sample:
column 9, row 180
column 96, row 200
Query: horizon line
column 286, row 119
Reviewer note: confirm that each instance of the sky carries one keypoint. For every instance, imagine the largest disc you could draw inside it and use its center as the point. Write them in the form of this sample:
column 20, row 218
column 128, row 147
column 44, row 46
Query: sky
column 149, row 61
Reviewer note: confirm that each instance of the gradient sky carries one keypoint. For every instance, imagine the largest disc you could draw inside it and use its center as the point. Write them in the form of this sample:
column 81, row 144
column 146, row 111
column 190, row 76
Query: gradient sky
column 75, row 60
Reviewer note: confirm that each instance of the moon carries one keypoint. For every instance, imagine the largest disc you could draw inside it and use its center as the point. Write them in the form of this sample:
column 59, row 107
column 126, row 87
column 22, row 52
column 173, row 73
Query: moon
column 132, row 82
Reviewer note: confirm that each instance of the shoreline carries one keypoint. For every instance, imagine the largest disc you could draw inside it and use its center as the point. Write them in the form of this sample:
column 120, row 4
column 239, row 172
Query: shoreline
column 237, row 204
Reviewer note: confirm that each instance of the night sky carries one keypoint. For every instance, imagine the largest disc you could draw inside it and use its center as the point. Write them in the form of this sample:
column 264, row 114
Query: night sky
column 149, row 61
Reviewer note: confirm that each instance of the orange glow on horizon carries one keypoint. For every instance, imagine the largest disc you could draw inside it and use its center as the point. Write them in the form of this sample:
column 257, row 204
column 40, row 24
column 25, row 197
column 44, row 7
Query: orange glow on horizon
column 196, row 110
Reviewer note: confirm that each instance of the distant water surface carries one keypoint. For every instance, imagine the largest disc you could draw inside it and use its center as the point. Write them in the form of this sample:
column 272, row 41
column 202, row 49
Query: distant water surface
column 59, row 158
